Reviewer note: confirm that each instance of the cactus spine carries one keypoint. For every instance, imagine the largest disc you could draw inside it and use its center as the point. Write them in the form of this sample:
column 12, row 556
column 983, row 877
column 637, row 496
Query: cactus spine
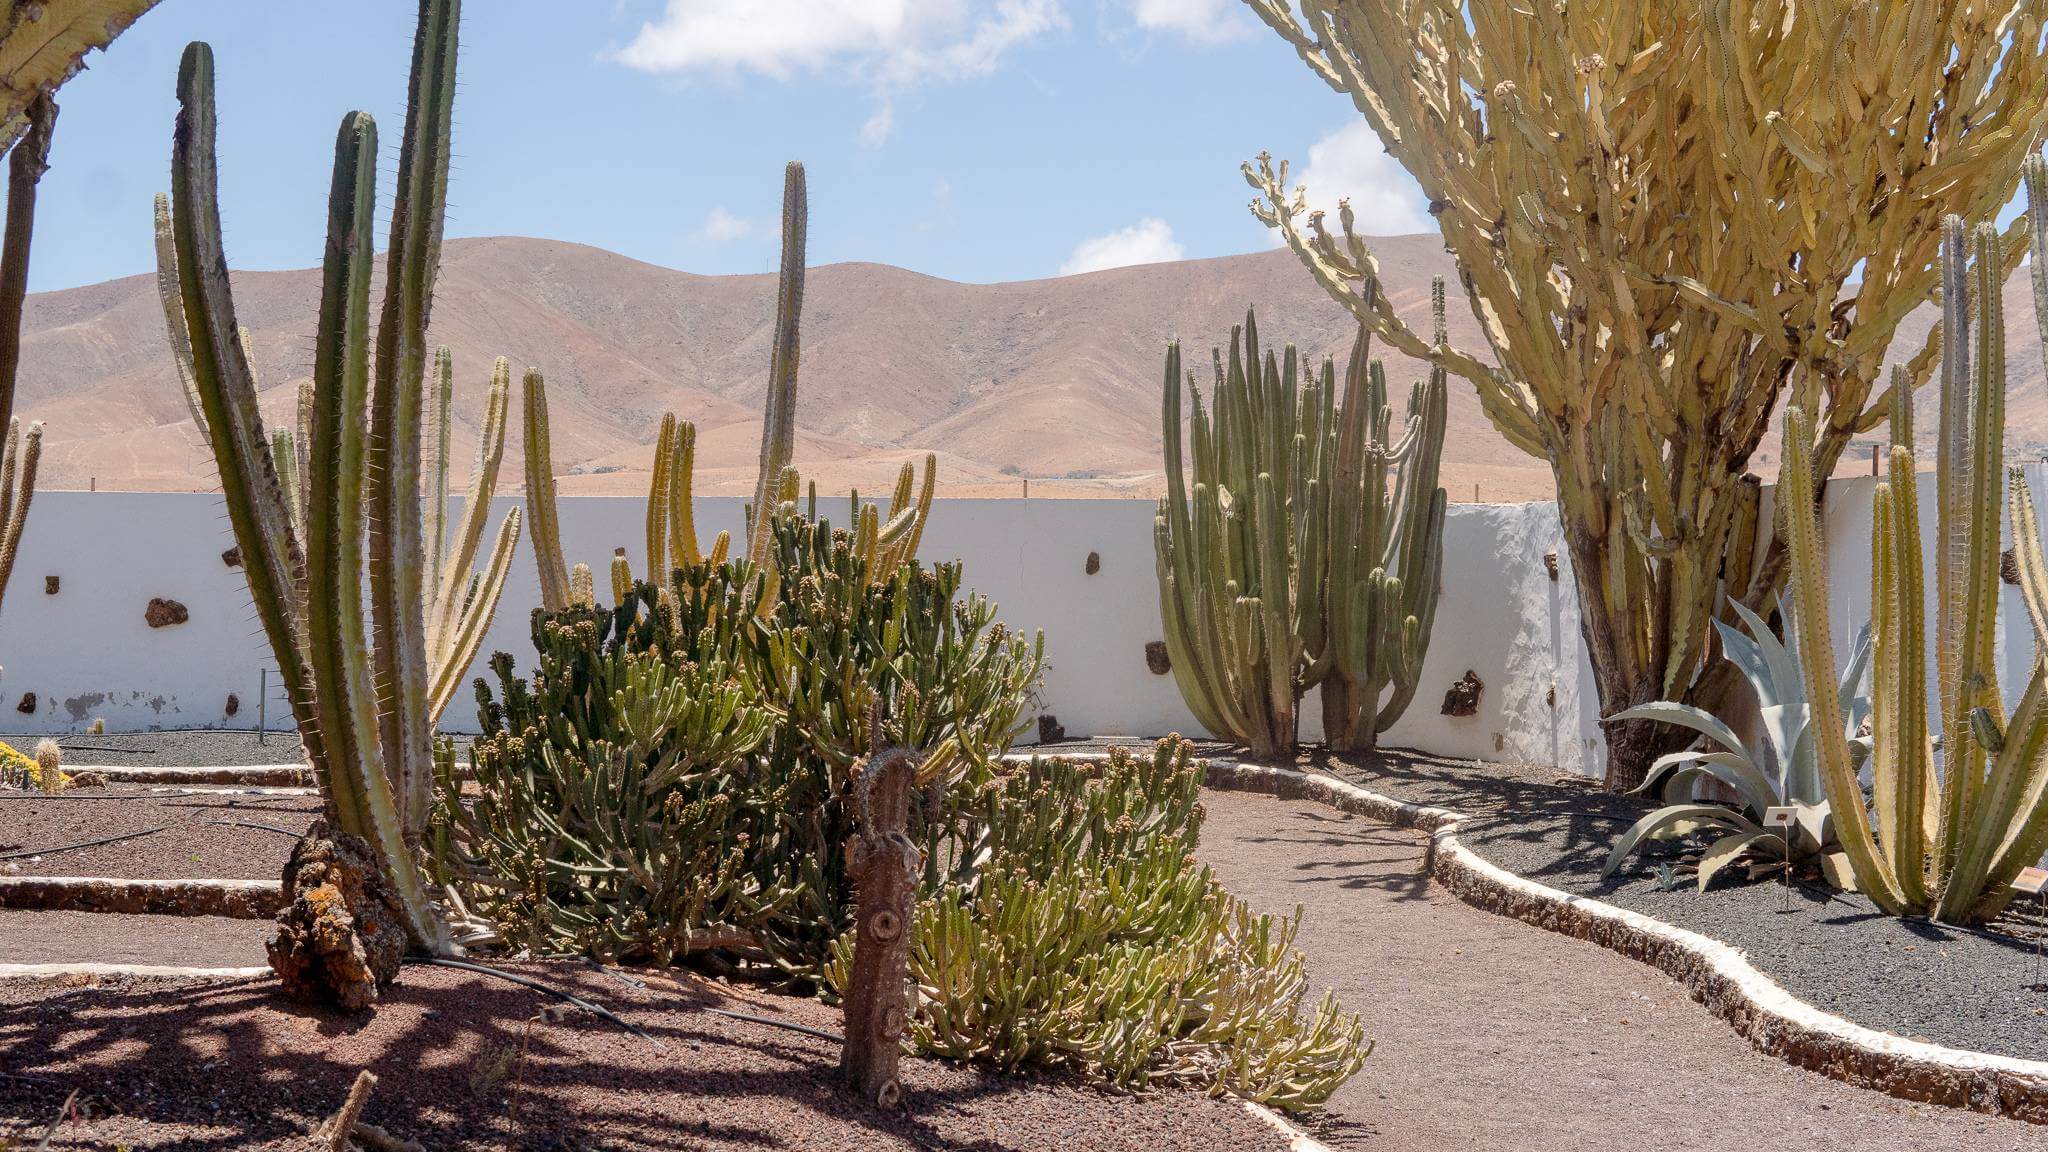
column 1950, row 851
column 361, row 708
column 1290, row 563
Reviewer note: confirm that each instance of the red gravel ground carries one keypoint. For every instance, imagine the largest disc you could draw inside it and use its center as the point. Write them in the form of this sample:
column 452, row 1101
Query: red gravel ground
column 192, row 846
column 1496, row 1035
column 469, row 1062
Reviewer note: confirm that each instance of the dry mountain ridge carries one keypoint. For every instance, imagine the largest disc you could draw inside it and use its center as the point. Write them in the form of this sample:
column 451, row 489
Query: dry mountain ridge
column 1057, row 379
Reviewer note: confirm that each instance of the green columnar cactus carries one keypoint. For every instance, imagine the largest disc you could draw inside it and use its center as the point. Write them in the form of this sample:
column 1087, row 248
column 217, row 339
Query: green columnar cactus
column 361, row 707
column 1949, row 850
column 671, row 516
column 540, row 495
column 1384, row 548
column 18, row 462
column 778, row 419
column 440, row 433
column 1291, row 563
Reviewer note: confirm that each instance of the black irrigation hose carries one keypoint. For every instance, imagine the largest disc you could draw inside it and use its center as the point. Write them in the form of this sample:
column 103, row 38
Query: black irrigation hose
column 529, row 982
column 125, row 751
column 259, row 827
column 27, row 852
column 806, row 1029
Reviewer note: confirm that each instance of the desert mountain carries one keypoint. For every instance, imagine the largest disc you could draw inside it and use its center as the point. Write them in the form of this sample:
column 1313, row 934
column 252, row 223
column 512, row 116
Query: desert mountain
column 1052, row 380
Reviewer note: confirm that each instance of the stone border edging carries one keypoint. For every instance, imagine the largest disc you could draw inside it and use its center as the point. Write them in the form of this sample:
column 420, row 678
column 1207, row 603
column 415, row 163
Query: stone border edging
column 134, row 971
column 286, row 775
column 1297, row 1140
column 234, row 899
column 1716, row 975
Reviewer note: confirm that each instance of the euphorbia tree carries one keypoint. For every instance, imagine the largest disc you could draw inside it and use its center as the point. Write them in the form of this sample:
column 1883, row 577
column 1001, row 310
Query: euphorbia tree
column 1668, row 215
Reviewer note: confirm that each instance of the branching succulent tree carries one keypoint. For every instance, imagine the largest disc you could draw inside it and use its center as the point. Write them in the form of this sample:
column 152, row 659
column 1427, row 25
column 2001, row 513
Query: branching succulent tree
column 360, row 695
column 1946, row 844
column 1308, row 551
column 1668, row 216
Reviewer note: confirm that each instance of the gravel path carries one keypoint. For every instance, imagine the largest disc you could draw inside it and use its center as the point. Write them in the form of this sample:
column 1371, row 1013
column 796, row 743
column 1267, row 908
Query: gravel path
column 205, row 835
column 1493, row 1034
column 39, row 937
column 186, row 746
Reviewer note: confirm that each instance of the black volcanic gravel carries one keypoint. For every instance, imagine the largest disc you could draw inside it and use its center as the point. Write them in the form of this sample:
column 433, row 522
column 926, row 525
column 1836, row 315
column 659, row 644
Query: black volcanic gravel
column 1914, row 978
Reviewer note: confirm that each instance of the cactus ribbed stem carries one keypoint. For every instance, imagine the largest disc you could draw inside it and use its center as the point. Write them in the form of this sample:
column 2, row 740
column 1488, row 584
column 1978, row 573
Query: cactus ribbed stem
column 540, row 495
column 778, row 422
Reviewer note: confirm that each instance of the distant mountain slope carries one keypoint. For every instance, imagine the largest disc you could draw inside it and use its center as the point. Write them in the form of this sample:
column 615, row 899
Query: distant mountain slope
column 1056, row 380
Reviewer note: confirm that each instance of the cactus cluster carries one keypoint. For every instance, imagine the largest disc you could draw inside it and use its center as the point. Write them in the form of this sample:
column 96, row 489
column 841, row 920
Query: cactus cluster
column 360, row 690
column 1944, row 843
column 687, row 719
column 884, row 540
column 1308, row 550
column 1083, row 933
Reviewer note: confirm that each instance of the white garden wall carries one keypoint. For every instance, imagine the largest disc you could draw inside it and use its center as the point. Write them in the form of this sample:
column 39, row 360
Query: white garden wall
column 86, row 652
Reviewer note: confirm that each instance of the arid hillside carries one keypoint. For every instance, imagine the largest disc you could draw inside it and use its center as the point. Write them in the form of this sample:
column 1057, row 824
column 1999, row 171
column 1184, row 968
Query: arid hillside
column 1054, row 380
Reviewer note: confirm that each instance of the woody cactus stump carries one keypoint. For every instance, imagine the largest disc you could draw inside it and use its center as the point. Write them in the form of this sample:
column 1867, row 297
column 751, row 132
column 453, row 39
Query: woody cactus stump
column 885, row 867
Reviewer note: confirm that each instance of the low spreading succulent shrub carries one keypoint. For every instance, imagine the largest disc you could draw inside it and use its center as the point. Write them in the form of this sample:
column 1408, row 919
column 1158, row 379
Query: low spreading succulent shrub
column 1086, row 935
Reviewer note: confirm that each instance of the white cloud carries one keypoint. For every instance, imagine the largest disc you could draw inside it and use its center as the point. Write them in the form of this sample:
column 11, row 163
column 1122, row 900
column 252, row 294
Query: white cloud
column 1350, row 163
column 893, row 45
column 721, row 226
column 1149, row 241
column 1195, row 19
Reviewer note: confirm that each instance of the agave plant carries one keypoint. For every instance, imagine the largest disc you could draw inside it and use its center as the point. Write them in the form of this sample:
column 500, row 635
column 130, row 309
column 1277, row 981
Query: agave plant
column 1789, row 779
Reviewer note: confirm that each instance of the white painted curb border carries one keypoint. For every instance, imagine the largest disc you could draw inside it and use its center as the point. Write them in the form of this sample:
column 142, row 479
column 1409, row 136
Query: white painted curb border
column 1715, row 974
column 67, row 972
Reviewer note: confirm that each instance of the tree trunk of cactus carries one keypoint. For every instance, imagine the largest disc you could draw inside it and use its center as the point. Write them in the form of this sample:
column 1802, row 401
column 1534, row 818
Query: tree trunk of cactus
column 884, row 865
column 1642, row 328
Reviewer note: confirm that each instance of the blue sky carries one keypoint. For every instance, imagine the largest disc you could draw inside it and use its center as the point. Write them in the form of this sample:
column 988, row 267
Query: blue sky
column 977, row 140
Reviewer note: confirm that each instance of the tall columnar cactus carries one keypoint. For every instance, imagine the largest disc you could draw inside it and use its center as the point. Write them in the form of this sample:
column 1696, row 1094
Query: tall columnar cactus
column 1384, row 550
column 25, row 167
column 540, row 494
column 1944, row 844
column 778, row 416
column 18, row 460
column 361, row 707
column 1292, row 563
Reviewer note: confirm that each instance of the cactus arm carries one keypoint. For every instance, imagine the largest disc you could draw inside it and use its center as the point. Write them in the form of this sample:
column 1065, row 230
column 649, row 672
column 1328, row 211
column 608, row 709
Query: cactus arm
column 1905, row 768
column 657, row 498
column 16, row 490
column 257, row 510
column 450, row 601
column 682, row 515
column 778, row 423
column 475, row 620
column 175, row 327
column 440, row 425
column 1809, row 593
column 284, row 456
column 2026, row 551
column 2008, row 814
column 397, row 550
column 540, row 495
column 925, row 493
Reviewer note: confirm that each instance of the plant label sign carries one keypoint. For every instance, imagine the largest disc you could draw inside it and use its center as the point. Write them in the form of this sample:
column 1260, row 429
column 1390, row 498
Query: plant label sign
column 1781, row 817
column 2031, row 881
